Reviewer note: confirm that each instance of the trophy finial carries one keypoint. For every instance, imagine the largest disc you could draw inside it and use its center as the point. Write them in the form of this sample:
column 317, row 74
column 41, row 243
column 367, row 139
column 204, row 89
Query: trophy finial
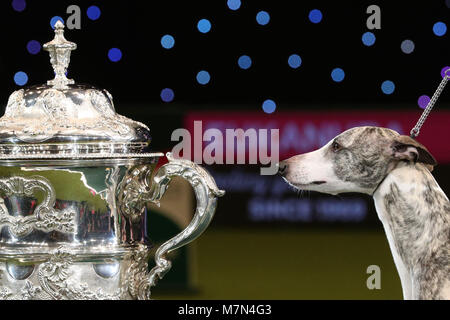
column 59, row 49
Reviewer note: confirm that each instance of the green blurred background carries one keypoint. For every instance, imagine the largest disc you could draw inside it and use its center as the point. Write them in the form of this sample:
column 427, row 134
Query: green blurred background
column 321, row 263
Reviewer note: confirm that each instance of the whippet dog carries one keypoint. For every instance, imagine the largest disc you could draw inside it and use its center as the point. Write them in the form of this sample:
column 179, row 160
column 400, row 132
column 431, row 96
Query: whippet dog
column 395, row 170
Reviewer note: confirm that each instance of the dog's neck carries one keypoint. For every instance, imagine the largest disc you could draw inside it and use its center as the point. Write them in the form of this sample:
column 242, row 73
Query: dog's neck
column 415, row 214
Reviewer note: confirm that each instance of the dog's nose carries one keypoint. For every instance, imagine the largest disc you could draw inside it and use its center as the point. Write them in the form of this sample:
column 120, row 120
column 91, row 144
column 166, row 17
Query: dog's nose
column 282, row 168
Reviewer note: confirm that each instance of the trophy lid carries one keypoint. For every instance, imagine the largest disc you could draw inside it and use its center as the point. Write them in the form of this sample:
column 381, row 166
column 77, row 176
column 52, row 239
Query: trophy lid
column 62, row 119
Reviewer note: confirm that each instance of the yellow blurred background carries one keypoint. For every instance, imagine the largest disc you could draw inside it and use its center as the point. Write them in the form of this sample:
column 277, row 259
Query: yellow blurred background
column 273, row 263
column 290, row 264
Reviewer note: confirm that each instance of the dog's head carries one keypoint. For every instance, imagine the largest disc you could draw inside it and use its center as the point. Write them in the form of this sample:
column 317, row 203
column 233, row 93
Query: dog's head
column 357, row 160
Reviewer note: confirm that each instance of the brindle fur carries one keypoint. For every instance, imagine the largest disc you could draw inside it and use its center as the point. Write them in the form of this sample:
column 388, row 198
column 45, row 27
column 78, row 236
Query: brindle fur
column 361, row 162
column 414, row 210
column 419, row 220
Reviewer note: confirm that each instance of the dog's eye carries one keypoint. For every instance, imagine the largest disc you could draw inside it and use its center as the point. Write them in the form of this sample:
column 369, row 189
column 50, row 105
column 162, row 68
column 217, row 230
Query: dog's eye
column 336, row 146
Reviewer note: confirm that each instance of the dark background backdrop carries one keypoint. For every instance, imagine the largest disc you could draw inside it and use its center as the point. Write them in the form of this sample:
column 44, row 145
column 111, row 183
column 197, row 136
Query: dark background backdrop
column 136, row 27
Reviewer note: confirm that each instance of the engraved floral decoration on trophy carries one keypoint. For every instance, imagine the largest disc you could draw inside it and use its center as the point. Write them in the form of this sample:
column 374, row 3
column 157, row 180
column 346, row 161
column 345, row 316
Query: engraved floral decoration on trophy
column 53, row 280
column 138, row 283
column 134, row 192
column 54, row 283
column 45, row 217
column 54, row 277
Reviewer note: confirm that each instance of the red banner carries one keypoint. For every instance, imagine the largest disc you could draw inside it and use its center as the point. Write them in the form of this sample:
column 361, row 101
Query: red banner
column 301, row 132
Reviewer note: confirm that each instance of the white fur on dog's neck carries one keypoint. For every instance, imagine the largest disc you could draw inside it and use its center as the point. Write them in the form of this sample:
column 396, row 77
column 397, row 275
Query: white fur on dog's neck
column 407, row 177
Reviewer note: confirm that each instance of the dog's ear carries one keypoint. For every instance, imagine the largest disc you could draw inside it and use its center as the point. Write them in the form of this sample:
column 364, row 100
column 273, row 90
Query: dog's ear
column 406, row 148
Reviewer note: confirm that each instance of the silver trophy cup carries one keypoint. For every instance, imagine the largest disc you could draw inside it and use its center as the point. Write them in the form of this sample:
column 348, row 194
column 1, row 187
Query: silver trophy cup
column 75, row 179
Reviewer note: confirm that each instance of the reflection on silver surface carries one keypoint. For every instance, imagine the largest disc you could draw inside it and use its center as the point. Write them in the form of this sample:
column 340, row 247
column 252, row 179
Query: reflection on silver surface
column 44, row 216
column 39, row 204
column 75, row 181
column 107, row 270
column 109, row 249
column 19, row 272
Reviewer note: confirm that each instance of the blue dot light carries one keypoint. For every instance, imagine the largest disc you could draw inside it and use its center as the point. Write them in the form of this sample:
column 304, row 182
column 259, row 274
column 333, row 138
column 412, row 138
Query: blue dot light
column 54, row 20
column 387, row 87
column 167, row 41
column 407, row 46
column 269, row 106
column 315, row 16
column 440, row 28
column 33, row 47
column 203, row 77
column 234, row 4
column 368, row 39
column 262, row 18
column 21, row 78
column 114, row 54
column 337, row 74
column 244, row 62
column 294, row 61
column 167, row 95
column 93, row 12
column 204, row 26
column 19, row 5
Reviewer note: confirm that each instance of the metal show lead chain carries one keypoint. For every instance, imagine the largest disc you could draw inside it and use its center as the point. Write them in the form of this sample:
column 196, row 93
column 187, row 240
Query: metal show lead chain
column 415, row 131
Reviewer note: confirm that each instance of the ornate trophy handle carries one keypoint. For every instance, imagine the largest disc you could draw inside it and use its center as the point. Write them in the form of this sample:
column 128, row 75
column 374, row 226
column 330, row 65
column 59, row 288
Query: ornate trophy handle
column 206, row 193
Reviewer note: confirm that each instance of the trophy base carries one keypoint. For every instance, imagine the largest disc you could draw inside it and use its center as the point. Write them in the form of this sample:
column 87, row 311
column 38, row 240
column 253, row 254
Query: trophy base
column 66, row 275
